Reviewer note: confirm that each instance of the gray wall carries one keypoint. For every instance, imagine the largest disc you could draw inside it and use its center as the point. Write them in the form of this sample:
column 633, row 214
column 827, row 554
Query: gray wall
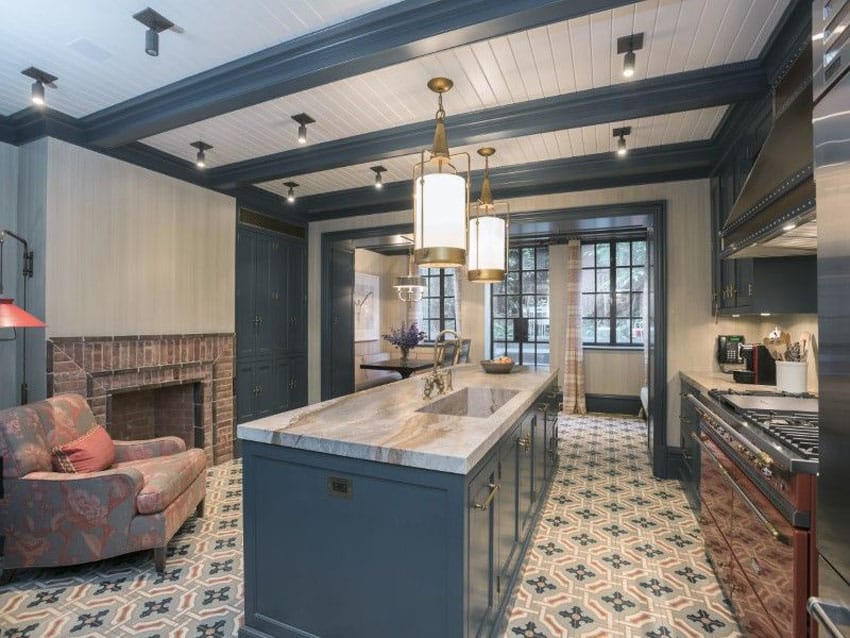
column 9, row 221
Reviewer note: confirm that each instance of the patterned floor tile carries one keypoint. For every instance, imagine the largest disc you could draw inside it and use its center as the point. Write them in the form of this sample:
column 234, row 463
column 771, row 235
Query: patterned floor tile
column 617, row 552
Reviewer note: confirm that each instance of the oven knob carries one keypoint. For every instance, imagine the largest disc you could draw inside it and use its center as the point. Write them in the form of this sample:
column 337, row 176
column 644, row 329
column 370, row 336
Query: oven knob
column 766, row 471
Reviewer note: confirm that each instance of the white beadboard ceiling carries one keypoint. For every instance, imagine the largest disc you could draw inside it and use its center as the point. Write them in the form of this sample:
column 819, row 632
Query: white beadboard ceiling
column 96, row 48
column 687, row 126
column 565, row 57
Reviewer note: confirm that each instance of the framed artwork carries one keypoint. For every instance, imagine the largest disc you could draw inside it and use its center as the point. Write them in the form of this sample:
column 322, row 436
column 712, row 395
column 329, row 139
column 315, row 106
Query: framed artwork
column 367, row 306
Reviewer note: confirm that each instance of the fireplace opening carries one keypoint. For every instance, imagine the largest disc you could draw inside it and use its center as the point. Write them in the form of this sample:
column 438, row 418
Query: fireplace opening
column 150, row 412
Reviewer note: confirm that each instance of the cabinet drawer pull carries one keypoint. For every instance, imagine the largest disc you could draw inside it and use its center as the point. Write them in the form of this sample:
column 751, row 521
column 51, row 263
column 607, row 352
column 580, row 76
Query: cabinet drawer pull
column 524, row 442
column 494, row 487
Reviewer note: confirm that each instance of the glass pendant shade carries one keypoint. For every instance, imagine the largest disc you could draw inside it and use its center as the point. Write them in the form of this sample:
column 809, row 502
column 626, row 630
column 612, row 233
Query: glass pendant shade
column 487, row 249
column 410, row 287
column 440, row 220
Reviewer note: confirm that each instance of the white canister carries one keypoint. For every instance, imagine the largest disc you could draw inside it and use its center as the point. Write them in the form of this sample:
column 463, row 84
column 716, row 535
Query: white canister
column 791, row 376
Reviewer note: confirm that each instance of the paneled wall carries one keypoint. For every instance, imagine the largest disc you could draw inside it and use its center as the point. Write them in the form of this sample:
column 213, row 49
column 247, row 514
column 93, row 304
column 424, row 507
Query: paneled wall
column 11, row 259
column 133, row 252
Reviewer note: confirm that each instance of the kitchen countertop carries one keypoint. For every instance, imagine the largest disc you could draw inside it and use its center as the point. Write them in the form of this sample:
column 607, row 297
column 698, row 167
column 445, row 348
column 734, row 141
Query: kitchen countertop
column 383, row 424
column 713, row 380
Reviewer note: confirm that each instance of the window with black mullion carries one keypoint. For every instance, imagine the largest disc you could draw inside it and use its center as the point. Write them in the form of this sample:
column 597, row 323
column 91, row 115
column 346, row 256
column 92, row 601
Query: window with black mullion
column 613, row 278
column 438, row 308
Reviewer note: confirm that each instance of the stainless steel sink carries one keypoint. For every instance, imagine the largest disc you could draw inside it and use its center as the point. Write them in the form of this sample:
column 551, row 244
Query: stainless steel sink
column 472, row 401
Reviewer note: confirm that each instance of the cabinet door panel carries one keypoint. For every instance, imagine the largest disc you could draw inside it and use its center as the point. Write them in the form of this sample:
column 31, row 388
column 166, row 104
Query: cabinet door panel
column 298, row 382
column 245, row 399
column 538, row 454
column 278, row 394
column 297, row 308
column 264, row 382
column 743, row 283
column 507, row 532
column 263, row 294
column 277, row 331
column 246, row 334
column 481, row 578
column 524, row 470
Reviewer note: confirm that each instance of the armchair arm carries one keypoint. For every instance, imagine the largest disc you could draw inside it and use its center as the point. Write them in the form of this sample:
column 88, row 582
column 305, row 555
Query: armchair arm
column 148, row 449
column 53, row 518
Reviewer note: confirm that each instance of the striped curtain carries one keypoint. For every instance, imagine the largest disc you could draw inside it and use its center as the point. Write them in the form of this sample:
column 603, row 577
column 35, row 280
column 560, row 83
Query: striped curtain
column 574, row 401
column 459, row 277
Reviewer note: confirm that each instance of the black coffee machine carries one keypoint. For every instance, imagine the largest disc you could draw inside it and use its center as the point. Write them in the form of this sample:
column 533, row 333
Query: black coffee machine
column 759, row 366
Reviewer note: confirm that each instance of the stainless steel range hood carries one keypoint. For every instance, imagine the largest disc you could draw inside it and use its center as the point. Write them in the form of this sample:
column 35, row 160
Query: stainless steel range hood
column 775, row 210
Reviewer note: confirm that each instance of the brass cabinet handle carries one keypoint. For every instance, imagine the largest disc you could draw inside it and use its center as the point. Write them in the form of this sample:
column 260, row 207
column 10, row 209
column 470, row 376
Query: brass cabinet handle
column 483, row 506
column 524, row 442
column 750, row 289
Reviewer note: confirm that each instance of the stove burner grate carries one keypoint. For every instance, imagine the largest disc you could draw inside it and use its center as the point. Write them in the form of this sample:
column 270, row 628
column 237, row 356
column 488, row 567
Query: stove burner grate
column 796, row 430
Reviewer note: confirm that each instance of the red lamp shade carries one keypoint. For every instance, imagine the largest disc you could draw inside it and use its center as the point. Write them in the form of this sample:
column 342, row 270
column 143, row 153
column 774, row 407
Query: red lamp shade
column 13, row 317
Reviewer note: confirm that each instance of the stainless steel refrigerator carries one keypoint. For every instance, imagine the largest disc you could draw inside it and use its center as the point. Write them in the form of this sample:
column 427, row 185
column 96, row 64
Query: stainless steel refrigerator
column 831, row 47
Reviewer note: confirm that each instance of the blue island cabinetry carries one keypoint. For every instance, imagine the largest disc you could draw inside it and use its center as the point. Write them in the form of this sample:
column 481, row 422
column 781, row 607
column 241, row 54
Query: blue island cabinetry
column 337, row 546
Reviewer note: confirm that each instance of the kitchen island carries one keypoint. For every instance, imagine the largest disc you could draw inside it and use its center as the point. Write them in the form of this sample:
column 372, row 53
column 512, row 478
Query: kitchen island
column 382, row 513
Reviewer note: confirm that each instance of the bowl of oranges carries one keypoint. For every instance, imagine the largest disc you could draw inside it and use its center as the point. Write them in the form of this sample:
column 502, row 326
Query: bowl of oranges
column 500, row 365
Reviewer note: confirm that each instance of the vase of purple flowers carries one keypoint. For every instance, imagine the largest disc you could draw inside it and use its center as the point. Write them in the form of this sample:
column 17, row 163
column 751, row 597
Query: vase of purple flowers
column 405, row 338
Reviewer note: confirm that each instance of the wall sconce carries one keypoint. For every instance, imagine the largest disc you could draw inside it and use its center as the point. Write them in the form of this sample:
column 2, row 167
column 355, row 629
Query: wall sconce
column 12, row 316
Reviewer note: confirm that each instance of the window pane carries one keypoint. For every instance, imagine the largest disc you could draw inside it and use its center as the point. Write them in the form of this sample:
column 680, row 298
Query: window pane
column 528, row 258
column 603, row 305
column 623, row 306
column 637, row 304
column 513, row 306
column 623, row 331
column 499, row 288
column 542, row 357
column 541, row 330
column 623, row 279
column 542, row 282
column 543, row 258
column 512, row 350
column 603, row 331
column 499, row 330
column 434, row 308
column 449, row 309
column 450, row 324
column 588, row 305
column 499, row 306
column 637, row 331
column 588, row 280
column 513, row 259
column 512, row 282
column 639, row 253
column 449, row 283
column 638, row 278
column 603, row 281
column 587, row 253
column 603, row 254
column 528, row 282
column 528, row 306
column 588, row 330
column 542, row 310
column 623, row 253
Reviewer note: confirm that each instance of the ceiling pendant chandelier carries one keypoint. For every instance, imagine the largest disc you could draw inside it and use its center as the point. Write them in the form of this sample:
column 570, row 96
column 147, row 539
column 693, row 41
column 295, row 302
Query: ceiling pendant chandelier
column 488, row 233
column 440, row 198
column 410, row 287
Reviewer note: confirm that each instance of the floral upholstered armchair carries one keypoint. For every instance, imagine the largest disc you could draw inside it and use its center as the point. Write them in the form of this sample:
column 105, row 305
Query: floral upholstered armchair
column 53, row 518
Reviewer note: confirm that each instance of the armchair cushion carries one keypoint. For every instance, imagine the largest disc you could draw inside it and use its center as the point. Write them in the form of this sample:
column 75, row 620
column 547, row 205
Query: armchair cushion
column 165, row 478
column 148, row 449
column 92, row 452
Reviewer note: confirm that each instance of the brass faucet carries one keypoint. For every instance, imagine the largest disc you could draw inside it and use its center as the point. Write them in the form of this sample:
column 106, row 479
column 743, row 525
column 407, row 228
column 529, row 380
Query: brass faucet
column 441, row 377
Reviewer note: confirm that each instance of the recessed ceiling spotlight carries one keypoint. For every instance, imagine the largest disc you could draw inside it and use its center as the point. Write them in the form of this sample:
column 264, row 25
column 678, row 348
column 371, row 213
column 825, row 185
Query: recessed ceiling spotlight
column 628, row 44
column 379, row 181
column 622, row 149
column 155, row 23
column 789, row 226
column 41, row 78
column 201, row 159
column 303, row 120
column 290, row 195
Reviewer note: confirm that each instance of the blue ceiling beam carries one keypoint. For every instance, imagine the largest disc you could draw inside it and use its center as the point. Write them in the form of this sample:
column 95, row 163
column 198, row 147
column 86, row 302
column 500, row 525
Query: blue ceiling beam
column 390, row 35
column 703, row 88
column 7, row 130
column 672, row 162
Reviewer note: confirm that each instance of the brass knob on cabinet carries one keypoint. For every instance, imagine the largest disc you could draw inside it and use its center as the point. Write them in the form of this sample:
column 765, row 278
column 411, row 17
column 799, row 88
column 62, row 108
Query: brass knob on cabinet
column 524, row 442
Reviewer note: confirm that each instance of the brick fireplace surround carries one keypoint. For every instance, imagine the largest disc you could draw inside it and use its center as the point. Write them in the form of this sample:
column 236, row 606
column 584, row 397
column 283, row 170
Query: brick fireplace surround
column 97, row 367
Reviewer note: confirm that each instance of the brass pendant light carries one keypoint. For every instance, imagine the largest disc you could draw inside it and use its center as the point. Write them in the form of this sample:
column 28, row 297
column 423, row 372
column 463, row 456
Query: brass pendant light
column 440, row 198
column 489, row 232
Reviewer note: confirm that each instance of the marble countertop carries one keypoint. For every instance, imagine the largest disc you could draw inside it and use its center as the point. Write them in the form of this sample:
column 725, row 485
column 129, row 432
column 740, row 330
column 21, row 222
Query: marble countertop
column 713, row 380
column 383, row 424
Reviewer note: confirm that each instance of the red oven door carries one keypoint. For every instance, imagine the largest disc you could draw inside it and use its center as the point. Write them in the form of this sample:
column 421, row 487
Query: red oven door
column 715, row 511
column 773, row 556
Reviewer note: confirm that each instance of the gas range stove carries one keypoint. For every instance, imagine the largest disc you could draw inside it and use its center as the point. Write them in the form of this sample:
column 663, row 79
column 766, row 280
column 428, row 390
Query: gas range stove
column 789, row 419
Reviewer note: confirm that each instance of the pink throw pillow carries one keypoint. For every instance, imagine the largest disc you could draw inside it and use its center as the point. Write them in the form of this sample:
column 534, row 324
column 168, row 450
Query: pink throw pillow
column 92, row 452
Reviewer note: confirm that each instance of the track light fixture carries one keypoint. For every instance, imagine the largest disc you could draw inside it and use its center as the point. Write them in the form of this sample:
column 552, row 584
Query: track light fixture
column 303, row 120
column 622, row 149
column 628, row 44
column 155, row 23
column 379, row 181
column 290, row 194
column 41, row 78
column 201, row 159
